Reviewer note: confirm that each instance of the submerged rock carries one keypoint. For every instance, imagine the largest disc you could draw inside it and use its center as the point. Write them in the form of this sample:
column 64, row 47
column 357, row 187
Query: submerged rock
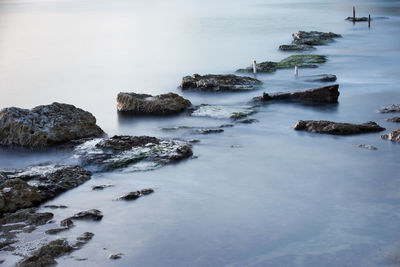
column 369, row 147
column 55, row 206
column 337, row 128
column 45, row 125
column 144, row 104
column 390, row 108
column 394, row 119
column 394, row 136
column 326, row 94
column 136, row 194
column 102, row 186
column 313, row 38
column 115, row 256
column 136, row 152
column 46, row 255
column 357, row 19
column 322, row 78
column 301, row 61
column 296, row 47
column 209, row 131
column 219, row 83
column 223, row 111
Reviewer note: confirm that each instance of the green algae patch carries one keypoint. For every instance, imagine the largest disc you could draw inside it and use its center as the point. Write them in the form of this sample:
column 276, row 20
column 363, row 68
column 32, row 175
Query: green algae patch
column 302, row 61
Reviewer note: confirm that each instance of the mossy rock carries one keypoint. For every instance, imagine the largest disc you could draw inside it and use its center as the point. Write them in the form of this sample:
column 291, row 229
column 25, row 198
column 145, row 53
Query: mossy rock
column 302, row 61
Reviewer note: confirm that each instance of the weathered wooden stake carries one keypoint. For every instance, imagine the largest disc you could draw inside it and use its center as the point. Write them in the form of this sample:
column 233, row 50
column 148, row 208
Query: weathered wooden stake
column 354, row 13
column 254, row 67
column 296, row 71
column 369, row 20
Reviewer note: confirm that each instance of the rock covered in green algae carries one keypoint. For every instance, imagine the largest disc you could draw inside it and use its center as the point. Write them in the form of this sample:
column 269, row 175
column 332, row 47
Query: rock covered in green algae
column 144, row 104
column 296, row 47
column 302, row 61
column 326, row 94
column 45, row 125
column 136, row 152
column 394, row 136
column 303, row 40
column 219, row 83
column 337, row 128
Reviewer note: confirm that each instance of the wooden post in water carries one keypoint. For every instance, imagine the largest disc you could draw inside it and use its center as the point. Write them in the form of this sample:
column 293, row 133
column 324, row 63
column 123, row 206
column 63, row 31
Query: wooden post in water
column 369, row 20
column 296, row 71
column 354, row 14
column 254, row 67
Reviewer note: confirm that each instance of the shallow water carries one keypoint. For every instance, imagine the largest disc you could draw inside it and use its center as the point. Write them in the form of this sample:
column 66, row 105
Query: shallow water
column 257, row 195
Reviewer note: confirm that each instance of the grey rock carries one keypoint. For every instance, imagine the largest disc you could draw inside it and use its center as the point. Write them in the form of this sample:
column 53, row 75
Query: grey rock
column 55, row 206
column 394, row 136
column 93, row 215
column 102, row 186
column 219, row 83
column 390, row 108
column 17, row 194
column 337, row 128
column 45, row 125
column 326, row 94
column 369, row 147
column 394, row 119
column 209, row 131
column 115, row 256
column 322, row 78
column 144, row 104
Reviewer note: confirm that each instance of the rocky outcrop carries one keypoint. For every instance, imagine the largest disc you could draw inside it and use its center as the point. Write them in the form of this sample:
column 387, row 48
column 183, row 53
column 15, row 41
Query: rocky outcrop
column 106, row 154
column 390, row 109
column 337, row 128
column 45, row 125
column 143, row 104
column 46, row 255
column 301, row 61
column 394, row 136
column 303, row 41
column 36, row 184
column 326, row 94
column 219, row 83
column 394, row 119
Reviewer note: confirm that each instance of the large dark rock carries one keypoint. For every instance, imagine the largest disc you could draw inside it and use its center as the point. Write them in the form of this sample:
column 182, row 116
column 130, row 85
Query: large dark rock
column 93, row 215
column 394, row 136
column 45, row 183
column 326, row 94
column 337, row 128
column 144, row 104
column 136, row 194
column 219, row 83
column 45, row 125
column 301, row 61
column 123, row 151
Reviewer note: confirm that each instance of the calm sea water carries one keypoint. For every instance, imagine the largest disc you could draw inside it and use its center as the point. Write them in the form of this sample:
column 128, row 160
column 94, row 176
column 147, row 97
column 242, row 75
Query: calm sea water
column 257, row 195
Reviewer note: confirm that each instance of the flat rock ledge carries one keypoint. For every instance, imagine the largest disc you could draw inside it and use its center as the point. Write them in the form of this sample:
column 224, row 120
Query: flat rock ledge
column 394, row 136
column 139, row 153
column 357, row 19
column 144, row 104
column 326, row 94
column 322, row 78
column 301, row 61
column 303, row 40
column 45, row 125
column 337, row 128
column 34, row 185
column 219, row 83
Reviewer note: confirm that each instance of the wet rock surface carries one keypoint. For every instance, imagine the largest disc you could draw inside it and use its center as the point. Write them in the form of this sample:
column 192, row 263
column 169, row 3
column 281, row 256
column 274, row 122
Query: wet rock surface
column 394, row 136
column 36, row 184
column 219, row 83
column 394, row 119
column 23, row 220
column 302, row 61
column 45, row 125
column 115, row 256
column 326, row 94
column 313, row 38
column 55, row 206
column 390, row 108
column 337, row 128
column 296, row 47
column 357, row 19
column 102, row 186
column 91, row 215
column 144, row 104
column 136, row 194
column 369, row 147
column 128, row 151
column 46, row 255
column 322, row 78
column 223, row 112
